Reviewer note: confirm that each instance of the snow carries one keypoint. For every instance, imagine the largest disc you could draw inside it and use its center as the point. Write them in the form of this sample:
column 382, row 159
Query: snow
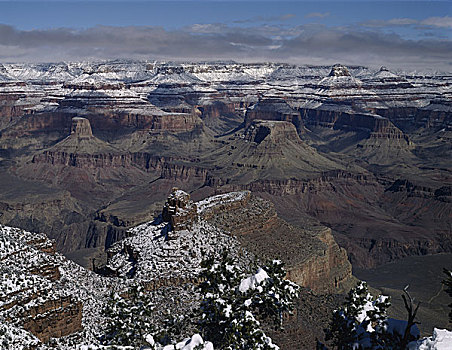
column 440, row 340
column 253, row 281
column 194, row 343
column 221, row 199
column 165, row 254
column 12, row 337
column 129, row 84
column 191, row 344
column 21, row 290
column 150, row 339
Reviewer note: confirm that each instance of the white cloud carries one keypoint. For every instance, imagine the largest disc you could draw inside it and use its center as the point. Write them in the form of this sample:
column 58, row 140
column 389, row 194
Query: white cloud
column 317, row 15
column 315, row 44
column 441, row 22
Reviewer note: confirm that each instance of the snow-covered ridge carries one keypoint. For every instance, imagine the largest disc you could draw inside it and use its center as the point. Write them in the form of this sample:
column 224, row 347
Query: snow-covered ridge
column 163, row 254
column 140, row 87
column 162, row 72
column 221, row 201
column 36, row 284
column 156, row 251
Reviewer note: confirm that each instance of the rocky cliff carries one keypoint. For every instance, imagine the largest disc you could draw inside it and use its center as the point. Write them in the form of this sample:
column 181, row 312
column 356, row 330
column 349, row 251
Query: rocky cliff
column 34, row 298
column 274, row 109
column 46, row 300
column 411, row 220
column 313, row 258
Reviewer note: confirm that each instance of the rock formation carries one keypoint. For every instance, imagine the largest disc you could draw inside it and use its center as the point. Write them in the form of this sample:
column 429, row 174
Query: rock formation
column 313, row 259
column 81, row 128
column 179, row 210
column 34, row 297
column 338, row 70
column 275, row 110
column 270, row 131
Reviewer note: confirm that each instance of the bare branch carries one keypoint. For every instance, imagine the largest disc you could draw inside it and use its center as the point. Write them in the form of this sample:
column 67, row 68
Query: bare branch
column 409, row 303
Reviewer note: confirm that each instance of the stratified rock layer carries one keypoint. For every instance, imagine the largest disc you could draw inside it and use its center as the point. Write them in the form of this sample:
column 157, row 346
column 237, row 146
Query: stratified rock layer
column 313, row 259
column 31, row 294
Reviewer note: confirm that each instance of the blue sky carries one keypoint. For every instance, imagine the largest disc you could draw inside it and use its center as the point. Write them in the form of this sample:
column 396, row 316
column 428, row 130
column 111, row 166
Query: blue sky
column 292, row 31
column 176, row 14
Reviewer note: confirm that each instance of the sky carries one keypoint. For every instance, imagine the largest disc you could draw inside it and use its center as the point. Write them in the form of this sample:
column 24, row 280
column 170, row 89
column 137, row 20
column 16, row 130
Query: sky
column 399, row 34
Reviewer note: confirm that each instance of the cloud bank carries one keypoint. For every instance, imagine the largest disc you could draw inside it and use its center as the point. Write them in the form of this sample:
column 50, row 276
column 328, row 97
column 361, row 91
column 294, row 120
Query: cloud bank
column 433, row 22
column 311, row 44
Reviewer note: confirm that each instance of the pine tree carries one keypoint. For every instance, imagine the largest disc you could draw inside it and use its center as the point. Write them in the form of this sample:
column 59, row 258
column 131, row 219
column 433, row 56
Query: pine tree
column 129, row 318
column 277, row 295
column 350, row 323
column 362, row 323
column 231, row 304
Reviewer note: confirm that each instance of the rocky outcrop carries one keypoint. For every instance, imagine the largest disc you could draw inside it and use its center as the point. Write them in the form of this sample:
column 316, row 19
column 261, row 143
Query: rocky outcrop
column 271, row 131
column 403, row 185
column 329, row 272
column 54, row 319
column 346, row 202
column 179, row 210
column 81, row 128
column 215, row 205
column 372, row 125
column 372, row 252
column 216, row 108
column 84, row 161
column 32, row 295
column 325, row 182
column 313, row 258
column 274, row 109
column 17, row 99
column 339, row 70
column 81, row 149
column 175, row 123
column 182, row 172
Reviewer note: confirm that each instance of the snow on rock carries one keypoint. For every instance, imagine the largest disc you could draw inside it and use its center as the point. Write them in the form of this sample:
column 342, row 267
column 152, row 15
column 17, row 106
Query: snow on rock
column 221, row 201
column 12, row 337
column 195, row 342
column 36, row 279
column 136, row 87
column 440, row 340
column 155, row 250
column 384, row 73
column 253, row 281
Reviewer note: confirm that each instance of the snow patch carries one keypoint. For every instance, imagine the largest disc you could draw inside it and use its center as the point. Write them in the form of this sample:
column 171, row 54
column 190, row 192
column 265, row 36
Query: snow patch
column 253, row 281
column 440, row 340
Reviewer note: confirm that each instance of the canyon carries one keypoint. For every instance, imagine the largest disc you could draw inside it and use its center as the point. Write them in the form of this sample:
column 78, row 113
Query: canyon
column 91, row 149
column 324, row 167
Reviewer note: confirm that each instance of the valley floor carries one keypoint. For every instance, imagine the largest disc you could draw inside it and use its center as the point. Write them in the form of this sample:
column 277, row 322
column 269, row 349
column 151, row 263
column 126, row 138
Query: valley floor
column 423, row 274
